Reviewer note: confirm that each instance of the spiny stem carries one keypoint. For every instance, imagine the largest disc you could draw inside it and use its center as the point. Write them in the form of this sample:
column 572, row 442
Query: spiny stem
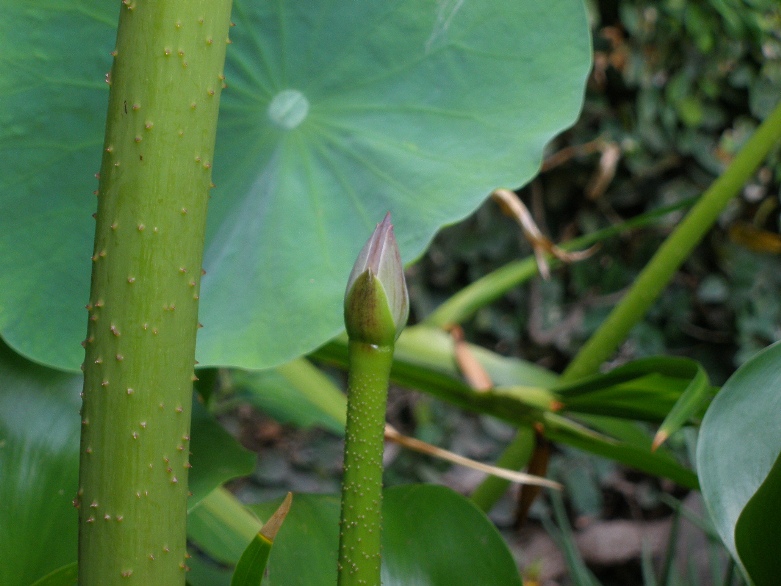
column 361, row 517
column 155, row 176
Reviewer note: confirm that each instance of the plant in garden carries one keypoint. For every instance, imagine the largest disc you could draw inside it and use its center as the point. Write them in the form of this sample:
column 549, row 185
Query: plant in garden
column 334, row 114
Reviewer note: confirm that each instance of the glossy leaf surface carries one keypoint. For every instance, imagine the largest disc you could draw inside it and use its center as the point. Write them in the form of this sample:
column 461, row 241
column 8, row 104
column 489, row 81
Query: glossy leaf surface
column 334, row 114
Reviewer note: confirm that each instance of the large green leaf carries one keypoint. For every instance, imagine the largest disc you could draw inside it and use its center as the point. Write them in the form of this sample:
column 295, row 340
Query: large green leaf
column 335, row 113
column 739, row 444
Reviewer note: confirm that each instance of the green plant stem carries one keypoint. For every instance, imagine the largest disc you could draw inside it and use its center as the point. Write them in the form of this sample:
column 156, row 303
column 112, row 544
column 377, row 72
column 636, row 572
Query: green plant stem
column 361, row 516
column 674, row 251
column 155, row 177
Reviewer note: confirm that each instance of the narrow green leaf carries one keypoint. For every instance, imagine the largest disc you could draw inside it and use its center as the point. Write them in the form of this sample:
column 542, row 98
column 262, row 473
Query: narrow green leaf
column 252, row 564
column 218, row 531
column 653, row 389
column 740, row 441
column 618, row 440
column 688, row 405
column 65, row 576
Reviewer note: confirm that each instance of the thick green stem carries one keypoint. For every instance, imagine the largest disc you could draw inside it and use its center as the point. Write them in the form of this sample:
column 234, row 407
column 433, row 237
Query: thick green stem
column 674, row 251
column 154, row 181
column 361, row 518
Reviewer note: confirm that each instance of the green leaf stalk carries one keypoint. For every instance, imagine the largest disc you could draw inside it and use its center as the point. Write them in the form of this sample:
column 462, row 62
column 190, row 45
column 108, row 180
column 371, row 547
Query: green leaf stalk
column 375, row 310
column 155, row 177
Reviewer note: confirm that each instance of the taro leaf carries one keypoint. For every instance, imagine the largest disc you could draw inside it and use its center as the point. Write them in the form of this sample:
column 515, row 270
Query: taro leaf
column 431, row 536
column 52, row 114
column 334, row 114
column 740, row 442
column 39, row 463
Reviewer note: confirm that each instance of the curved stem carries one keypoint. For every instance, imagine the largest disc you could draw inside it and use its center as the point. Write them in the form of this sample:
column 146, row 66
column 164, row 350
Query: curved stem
column 361, row 517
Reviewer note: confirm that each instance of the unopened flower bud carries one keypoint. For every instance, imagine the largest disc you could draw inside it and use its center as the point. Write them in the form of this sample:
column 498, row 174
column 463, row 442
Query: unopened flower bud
column 376, row 303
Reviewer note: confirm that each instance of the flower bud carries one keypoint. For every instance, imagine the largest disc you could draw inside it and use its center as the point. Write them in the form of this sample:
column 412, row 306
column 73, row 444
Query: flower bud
column 376, row 303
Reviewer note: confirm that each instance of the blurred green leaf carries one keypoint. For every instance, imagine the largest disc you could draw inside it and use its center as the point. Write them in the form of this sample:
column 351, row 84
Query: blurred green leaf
column 295, row 393
column 333, row 115
column 739, row 445
column 252, row 563
column 219, row 530
column 39, row 460
column 39, row 457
